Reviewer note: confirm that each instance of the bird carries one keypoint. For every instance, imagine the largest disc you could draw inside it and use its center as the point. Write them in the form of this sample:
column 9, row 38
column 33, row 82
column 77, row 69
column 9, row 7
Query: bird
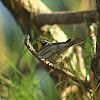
column 56, row 52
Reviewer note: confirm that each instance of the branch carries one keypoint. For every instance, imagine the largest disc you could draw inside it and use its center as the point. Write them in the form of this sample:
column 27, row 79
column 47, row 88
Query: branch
column 22, row 13
column 96, row 60
column 98, row 37
column 66, row 17
column 51, row 66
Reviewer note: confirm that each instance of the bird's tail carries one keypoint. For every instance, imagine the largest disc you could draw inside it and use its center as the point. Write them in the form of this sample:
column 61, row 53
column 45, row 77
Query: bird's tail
column 76, row 41
column 66, row 45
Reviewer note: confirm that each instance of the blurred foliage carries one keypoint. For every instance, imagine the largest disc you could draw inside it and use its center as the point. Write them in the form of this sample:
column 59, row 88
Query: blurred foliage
column 22, row 78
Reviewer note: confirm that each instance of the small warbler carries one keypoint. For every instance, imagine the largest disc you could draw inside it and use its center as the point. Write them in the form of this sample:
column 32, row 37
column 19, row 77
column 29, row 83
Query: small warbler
column 56, row 52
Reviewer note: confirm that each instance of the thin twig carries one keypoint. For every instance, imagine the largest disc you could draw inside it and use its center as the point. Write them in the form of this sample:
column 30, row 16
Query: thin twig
column 50, row 65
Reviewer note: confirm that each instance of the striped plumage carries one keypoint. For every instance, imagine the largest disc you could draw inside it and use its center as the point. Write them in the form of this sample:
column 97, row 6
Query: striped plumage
column 56, row 52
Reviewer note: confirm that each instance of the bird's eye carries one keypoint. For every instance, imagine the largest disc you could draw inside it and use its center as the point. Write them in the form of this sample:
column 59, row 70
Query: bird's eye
column 44, row 43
